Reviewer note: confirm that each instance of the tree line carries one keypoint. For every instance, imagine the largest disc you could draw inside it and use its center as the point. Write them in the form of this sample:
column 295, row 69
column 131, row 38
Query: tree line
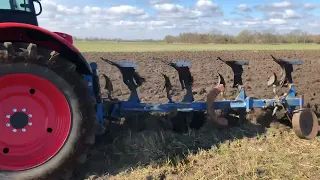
column 244, row 37
column 113, row 39
column 217, row 37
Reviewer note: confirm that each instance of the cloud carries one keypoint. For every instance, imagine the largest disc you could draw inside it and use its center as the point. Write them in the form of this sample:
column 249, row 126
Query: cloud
column 287, row 14
column 276, row 22
column 203, row 8
column 309, row 6
column 159, row 1
column 244, row 8
column 286, row 10
column 226, row 23
column 314, row 24
column 277, row 6
column 260, row 24
column 157, row 18
column 207, row 5
column 125, row 10
column 169, row 8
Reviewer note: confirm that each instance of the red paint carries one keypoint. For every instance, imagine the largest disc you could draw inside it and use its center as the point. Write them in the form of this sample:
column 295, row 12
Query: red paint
column 65, row 36
column 17, row 32
column 49, row 109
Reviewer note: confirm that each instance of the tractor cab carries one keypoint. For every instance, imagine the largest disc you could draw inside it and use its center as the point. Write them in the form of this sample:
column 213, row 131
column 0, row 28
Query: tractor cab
column 19, row 11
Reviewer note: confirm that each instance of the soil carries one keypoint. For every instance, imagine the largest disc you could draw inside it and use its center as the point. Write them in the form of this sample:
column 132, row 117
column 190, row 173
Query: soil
column 204, row 68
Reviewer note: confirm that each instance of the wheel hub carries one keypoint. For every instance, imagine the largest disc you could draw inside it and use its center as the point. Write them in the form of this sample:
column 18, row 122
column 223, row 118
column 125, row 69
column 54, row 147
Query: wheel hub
column 19, row 120
column 35, row 121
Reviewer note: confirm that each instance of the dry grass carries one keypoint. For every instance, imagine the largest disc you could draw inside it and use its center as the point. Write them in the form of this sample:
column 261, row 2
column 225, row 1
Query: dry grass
column 248, row 152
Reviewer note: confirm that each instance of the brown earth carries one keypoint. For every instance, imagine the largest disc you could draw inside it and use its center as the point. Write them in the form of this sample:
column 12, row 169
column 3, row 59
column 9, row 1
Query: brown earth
column 205, row 69
column 121, row 149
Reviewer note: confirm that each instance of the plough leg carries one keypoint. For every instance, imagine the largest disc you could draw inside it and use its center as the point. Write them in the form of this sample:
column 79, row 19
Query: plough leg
column 129, row 76
column 286, row 70
column 185, row 77
column 221, row 81
column 237, row 69
column 304, row 120
column 108, row 86
column 286, row 80
column 236, row 66
column 168, row 87
column 189, row 119
column 133, row 80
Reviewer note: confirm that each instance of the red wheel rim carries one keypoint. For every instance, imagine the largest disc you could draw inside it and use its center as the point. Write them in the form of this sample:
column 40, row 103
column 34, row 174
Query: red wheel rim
column 35, row 121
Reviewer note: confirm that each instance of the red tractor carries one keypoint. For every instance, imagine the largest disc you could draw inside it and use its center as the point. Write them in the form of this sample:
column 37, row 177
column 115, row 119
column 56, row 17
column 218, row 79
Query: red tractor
column 47, row 112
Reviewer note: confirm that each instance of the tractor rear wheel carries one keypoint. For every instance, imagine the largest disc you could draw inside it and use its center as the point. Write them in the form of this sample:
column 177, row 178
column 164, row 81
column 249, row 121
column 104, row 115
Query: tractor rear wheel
column 47, row 114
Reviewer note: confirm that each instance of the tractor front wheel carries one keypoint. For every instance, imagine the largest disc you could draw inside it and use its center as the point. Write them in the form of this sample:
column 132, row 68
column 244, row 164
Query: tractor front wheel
column 47, row 115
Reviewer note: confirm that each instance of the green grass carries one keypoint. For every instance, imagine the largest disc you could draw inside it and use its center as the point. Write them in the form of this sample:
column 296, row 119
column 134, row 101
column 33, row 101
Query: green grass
column 105, row 46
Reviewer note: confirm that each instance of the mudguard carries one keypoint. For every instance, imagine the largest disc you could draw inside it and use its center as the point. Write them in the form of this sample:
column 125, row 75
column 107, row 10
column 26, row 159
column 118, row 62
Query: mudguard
column 18, row 32
column 65, row 36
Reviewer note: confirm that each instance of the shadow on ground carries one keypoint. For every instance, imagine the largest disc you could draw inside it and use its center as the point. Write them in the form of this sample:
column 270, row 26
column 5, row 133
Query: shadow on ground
column 122, row 148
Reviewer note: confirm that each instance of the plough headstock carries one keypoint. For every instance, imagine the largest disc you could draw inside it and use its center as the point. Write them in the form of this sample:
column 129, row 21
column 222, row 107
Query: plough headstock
column 189, row 110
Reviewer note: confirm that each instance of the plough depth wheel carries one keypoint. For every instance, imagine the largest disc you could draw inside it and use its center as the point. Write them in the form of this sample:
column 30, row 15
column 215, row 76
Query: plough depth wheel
column 47, row 114
column 305, row 124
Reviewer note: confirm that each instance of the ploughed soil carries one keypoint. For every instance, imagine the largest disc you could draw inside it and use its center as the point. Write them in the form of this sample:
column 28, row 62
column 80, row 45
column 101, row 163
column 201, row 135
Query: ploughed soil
column 249, row 152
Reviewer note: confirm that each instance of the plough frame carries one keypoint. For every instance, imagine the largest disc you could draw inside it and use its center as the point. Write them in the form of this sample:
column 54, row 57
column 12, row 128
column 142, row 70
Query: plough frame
column 114, row 109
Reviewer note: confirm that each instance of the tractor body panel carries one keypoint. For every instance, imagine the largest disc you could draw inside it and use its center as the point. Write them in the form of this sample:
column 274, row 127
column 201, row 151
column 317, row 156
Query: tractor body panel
column 19, row 32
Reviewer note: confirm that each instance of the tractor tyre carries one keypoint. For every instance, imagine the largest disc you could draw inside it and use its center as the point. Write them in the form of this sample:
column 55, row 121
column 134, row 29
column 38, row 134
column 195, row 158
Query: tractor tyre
column 47, row 114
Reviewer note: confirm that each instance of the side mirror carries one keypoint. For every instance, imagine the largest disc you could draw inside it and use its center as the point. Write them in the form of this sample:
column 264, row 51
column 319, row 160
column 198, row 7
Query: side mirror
column 40, row 7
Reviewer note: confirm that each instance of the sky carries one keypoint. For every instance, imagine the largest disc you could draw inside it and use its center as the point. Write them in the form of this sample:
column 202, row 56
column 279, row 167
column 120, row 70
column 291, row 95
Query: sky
column 154, row 19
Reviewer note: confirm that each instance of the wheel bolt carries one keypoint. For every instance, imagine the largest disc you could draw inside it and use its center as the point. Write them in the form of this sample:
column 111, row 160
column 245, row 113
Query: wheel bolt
column 30, row 123
column 8, row 124
column 14, row 130
column 24, row 110
column 14, row 110
column 23, row 130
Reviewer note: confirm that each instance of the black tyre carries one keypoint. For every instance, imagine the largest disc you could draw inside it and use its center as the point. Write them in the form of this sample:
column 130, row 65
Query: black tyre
column 47, row 122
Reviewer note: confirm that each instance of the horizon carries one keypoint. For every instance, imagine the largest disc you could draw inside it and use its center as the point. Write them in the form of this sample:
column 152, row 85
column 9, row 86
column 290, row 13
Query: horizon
column 154, row 19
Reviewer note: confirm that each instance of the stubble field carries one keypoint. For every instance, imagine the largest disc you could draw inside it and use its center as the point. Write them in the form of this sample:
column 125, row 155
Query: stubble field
column 265, row 149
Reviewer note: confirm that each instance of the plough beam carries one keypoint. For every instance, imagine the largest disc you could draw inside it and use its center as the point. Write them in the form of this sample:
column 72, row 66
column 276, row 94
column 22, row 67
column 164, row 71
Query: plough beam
column 247, row 104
